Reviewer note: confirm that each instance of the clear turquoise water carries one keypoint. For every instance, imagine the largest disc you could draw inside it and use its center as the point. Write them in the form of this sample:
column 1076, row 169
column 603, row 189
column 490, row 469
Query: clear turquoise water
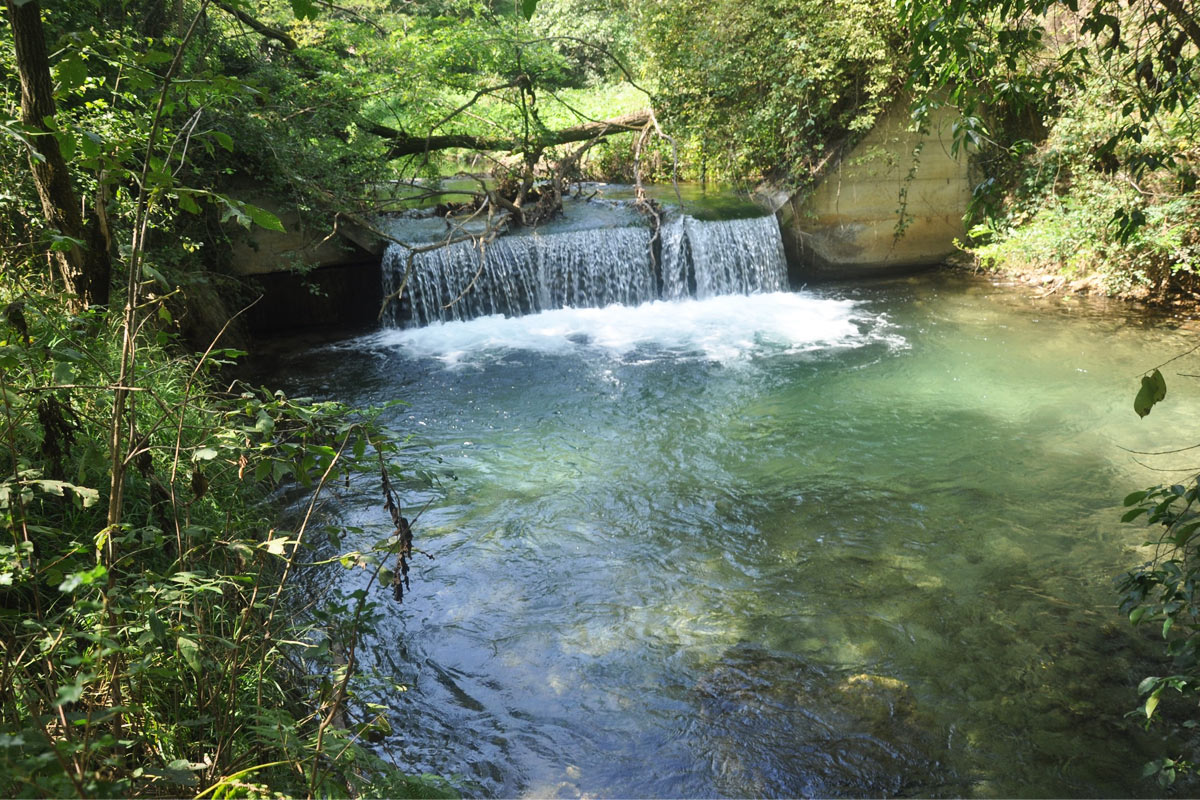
column 673, row 538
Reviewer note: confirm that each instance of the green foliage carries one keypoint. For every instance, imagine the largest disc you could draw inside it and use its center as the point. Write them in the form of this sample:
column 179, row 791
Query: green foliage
column 1080, row 120
column 1021, row 55
column 145, row 606
column 989, row 60
column 595, row 37
column 290, row 116
column 754, row 89
column 1127, row 217
column 155, row 657
column 1165, row 591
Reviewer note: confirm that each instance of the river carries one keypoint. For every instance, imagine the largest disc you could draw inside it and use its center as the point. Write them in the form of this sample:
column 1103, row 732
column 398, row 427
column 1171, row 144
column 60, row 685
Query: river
column 857, row 540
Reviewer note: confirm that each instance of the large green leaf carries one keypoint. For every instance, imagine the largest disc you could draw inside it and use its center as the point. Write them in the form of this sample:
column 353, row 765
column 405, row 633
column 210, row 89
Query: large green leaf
column 304, row 9
column 263, row 218
column 1154, row 389
column 72, row 72
column 188, row 204
column 190, row 652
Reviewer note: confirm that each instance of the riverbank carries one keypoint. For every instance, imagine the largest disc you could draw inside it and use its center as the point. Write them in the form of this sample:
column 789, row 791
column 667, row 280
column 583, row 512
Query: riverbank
column 166, row 653
column 1176, row 301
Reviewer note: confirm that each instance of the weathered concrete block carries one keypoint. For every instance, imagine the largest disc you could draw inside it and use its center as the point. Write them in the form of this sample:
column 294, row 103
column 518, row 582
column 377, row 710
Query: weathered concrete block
column 894, row 202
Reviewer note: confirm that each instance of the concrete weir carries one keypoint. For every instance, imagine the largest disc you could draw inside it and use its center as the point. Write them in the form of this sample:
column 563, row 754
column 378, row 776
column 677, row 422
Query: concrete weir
column 892, row 202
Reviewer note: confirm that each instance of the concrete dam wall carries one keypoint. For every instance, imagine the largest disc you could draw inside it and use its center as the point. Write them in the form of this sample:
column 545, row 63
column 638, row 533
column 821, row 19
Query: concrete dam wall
column 893, row 202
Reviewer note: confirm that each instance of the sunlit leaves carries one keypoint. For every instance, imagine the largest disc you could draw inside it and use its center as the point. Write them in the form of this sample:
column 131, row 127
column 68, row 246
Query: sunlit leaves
column 262, row 218
column 245, row 214
column 87, row 577
column 18, row 132
column 278, row 545
column 763, row 87
column 204, row 454
column 169, row 606
column 27, row 483
column 998, row 58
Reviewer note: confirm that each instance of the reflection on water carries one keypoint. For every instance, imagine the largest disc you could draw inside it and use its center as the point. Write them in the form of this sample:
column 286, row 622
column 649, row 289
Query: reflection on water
column 855, row 542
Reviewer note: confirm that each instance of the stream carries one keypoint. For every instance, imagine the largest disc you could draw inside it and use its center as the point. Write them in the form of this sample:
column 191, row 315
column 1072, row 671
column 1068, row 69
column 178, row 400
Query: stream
column 855, row 540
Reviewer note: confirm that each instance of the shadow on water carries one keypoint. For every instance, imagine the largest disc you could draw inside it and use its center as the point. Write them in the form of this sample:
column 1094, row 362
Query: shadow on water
column 773, row 725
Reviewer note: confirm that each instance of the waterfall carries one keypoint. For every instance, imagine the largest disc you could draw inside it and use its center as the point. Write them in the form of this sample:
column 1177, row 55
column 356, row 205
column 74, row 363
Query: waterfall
column 528, row 273
column 676, row 258
column 707, row 259
column 740, row 256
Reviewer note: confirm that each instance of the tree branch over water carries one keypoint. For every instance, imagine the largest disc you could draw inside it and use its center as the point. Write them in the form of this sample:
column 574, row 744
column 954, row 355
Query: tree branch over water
column 403, row 144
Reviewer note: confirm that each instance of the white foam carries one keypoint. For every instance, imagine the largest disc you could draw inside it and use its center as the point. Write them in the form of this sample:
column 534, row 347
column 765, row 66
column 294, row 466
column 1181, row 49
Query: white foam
column 725, row 329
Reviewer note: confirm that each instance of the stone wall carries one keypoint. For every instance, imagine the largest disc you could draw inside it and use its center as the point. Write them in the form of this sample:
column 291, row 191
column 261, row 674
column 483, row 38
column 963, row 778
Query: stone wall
column 259, row 251
column 849, row 224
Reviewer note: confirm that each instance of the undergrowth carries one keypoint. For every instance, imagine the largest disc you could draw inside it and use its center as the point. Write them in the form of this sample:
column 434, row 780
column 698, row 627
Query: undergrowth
column 1127, row 216
column 161, row 657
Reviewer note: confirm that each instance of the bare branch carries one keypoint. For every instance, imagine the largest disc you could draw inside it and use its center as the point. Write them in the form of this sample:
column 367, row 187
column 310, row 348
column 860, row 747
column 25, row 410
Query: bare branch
column 260, row 28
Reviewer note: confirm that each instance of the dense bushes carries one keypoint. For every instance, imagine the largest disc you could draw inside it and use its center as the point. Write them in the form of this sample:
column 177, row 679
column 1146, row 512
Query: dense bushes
column 1082, row 121
column 765, row 89
column 1129, row 219
column 150, row 642
column 161, row 656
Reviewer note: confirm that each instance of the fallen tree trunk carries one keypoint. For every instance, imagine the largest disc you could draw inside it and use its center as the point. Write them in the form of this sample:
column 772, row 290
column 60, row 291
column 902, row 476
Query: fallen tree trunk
column 402, row 144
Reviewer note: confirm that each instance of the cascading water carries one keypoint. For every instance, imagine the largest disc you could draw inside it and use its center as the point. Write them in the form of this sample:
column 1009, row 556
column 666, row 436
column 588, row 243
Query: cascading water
column 525, row 274
column 707, row 259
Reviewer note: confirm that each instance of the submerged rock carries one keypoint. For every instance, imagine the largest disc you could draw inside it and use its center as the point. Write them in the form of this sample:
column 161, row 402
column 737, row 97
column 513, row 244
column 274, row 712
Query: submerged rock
column 874, row 699
column 776, row 726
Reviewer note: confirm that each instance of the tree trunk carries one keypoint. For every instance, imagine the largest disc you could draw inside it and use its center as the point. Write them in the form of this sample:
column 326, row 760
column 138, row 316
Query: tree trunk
column 1186, row 19
column 82, row 262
